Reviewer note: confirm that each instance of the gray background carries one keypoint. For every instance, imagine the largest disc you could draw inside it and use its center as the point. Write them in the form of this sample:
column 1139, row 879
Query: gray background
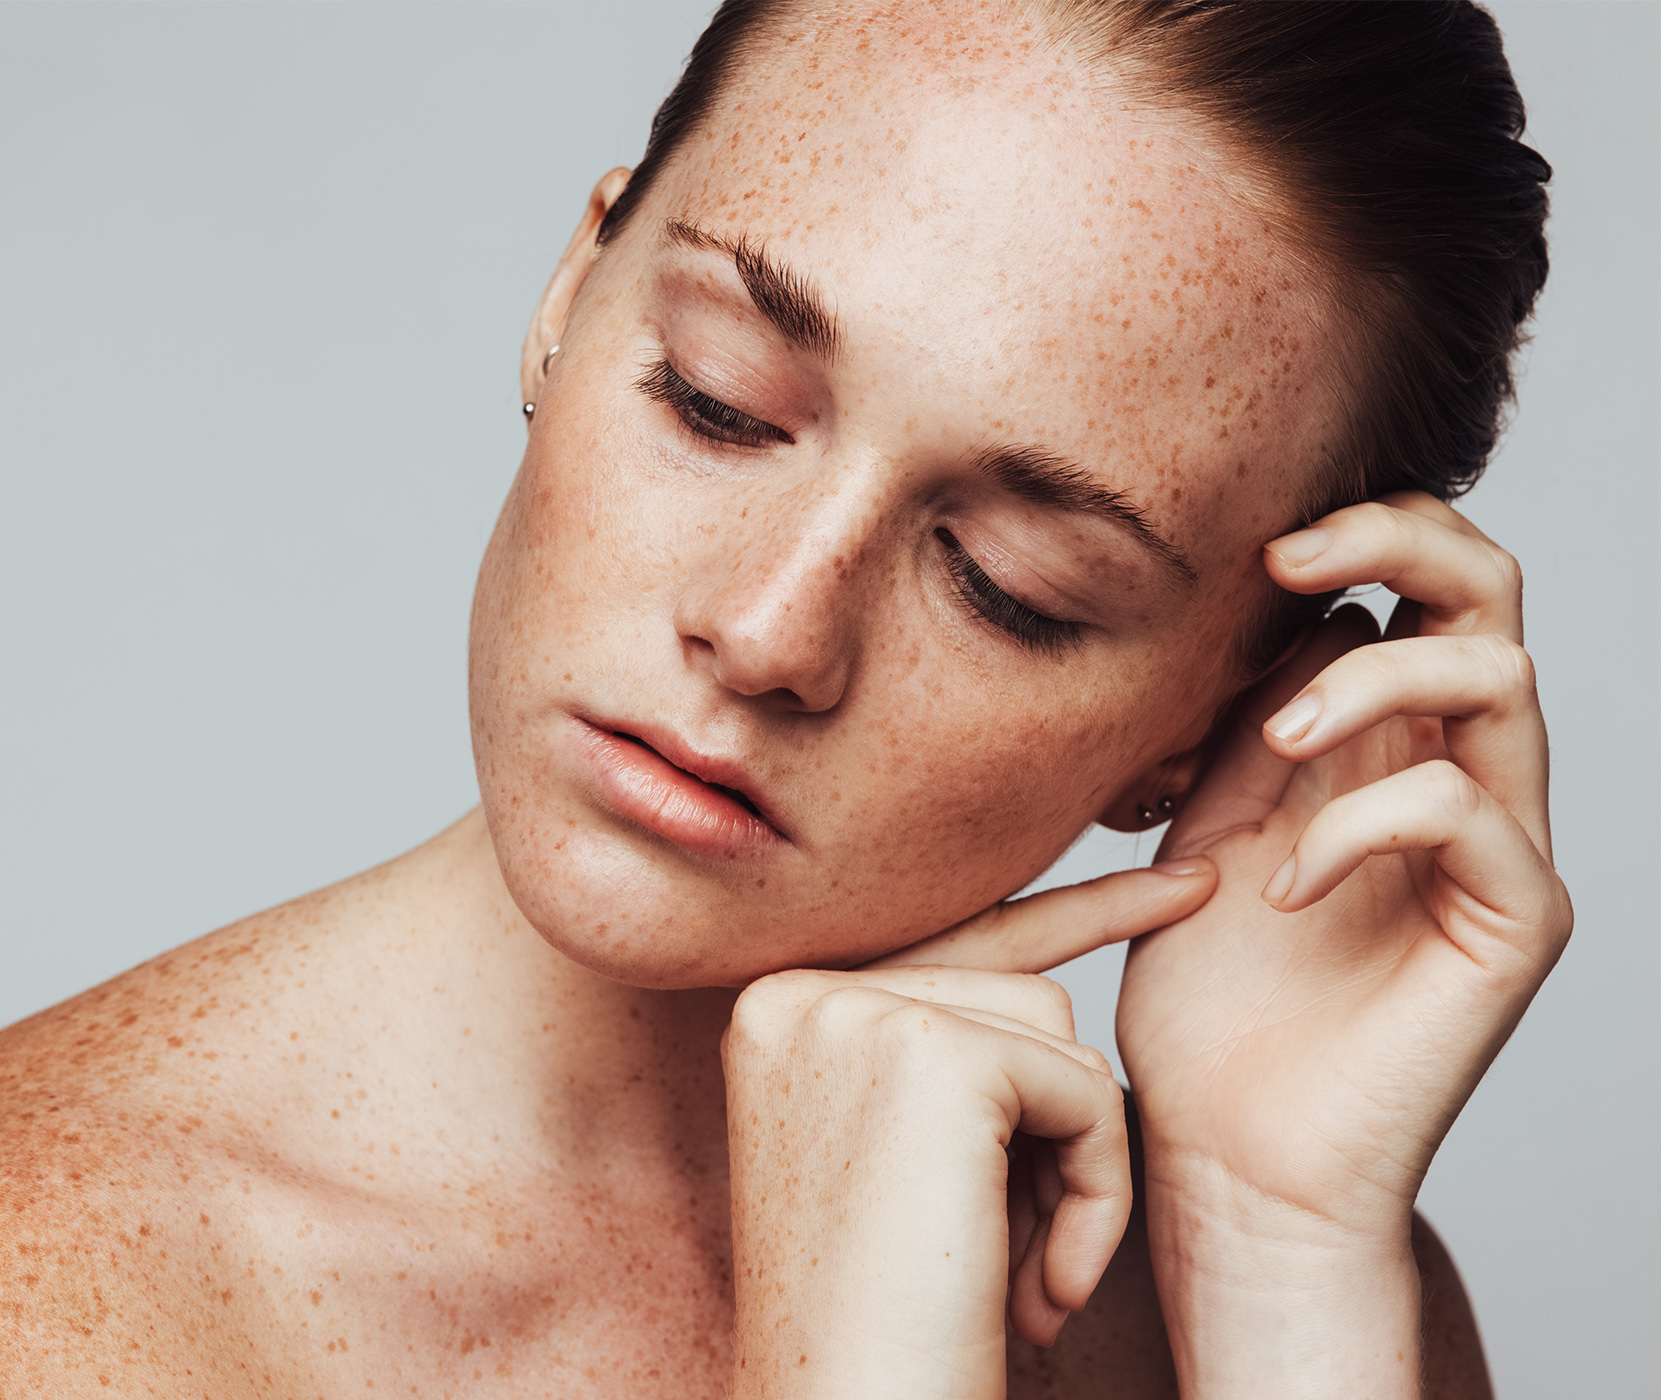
column 263, row 276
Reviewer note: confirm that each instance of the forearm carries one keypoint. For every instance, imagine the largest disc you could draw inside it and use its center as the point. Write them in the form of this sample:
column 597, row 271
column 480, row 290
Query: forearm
column 1262, row 1298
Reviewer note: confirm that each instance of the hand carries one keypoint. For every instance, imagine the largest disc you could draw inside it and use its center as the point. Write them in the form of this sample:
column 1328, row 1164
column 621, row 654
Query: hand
column 877, row 1233
column 1386, row 911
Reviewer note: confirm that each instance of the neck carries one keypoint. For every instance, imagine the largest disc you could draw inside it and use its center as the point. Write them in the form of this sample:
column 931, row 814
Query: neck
column 573, row 1069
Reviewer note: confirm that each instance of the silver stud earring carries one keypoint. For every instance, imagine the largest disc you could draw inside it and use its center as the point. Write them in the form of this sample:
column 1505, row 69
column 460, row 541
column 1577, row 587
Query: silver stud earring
column 1167, row 805
column 548, row 359
column 1144, row 815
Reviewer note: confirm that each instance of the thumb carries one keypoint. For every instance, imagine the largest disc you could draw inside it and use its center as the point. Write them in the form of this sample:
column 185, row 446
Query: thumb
column 1043, row 930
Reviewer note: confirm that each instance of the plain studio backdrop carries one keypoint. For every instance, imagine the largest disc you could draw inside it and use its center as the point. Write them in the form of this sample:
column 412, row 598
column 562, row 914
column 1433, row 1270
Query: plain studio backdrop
column 263, row 277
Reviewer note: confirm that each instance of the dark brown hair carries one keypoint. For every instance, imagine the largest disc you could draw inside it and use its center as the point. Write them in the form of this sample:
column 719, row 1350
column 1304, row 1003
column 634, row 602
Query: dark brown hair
column 1389, row 133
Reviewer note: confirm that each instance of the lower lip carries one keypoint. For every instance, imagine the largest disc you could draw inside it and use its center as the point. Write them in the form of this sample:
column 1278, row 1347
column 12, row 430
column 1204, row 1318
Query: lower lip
column 643, row 786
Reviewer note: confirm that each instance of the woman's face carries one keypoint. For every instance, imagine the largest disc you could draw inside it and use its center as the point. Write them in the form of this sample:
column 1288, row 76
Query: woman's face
column 904, row 468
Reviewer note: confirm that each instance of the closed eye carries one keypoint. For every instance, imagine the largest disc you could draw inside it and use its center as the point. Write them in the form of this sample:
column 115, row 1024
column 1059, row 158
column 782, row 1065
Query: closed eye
column 706, row 416
column 982, row 597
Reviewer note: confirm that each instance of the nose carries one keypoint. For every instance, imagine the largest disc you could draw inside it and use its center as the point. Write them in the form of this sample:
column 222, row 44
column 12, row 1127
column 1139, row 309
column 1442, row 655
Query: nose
column 772, row 607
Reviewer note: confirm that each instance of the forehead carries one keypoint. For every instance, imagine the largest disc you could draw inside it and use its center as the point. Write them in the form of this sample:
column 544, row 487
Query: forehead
column 1005, row 237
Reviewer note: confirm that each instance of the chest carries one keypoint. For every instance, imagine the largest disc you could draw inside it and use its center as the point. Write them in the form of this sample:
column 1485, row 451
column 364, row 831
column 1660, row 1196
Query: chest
column 325, row 1288
column 499, row 1292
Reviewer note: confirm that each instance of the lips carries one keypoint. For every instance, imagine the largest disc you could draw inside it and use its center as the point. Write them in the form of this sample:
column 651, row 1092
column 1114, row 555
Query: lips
column 706, row 805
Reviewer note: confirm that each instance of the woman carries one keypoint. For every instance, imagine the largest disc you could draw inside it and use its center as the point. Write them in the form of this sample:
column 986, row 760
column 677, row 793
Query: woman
column 930, row 446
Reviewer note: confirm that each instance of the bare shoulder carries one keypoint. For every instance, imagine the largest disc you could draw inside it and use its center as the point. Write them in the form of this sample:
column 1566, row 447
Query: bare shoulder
column 134, row 1119
column 1121, row 1333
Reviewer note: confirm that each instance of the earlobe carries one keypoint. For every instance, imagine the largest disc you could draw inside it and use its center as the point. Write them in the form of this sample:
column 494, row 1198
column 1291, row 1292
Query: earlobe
column 548, row 325
column 1156, row 794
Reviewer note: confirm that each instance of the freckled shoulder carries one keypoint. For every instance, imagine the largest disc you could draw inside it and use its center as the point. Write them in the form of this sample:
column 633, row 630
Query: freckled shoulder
column 1117, row 1346
column 132, row 1119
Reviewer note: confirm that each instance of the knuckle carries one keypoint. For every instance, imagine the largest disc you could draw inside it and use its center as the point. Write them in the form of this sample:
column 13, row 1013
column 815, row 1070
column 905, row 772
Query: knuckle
column 1376, row 516
column 914, row 1029
column 767, row 1002
column 751, row 1022
column 1508, row 571
column 844, row 1012
column 1510, row 667
column 1045, row 1004
column 1520, row 667
column 1451, row 788
column 1102, row 1065
column 1561, row 917
column 1048, row 995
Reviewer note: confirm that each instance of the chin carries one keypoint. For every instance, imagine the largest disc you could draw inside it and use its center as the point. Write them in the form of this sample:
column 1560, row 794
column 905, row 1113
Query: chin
column 629, row 913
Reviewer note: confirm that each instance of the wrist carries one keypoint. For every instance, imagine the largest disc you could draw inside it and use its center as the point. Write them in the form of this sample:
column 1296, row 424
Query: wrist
column 1264, row 1296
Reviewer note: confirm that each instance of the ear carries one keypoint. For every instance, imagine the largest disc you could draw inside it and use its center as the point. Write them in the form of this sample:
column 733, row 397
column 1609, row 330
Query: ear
column 1170, row 780
column 548, row 325
column 1166, row 782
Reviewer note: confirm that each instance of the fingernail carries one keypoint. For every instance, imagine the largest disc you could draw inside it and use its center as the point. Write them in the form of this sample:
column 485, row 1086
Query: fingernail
column 1280, row 883
column 1177, row 867
column 1301, row 548
column 1295, row 720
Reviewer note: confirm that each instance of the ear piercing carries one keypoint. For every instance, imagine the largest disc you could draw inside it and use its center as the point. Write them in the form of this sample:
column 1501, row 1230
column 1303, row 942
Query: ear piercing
column 548, row 359
column 1159, row 812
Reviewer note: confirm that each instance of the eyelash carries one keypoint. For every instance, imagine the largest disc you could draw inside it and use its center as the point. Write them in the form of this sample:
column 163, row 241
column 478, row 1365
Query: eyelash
column 710, row 418
column 707, row 417
column 984, row 598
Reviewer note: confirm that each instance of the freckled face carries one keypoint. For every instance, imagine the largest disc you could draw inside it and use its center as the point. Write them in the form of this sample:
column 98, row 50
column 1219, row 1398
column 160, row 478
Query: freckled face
column 734, row 565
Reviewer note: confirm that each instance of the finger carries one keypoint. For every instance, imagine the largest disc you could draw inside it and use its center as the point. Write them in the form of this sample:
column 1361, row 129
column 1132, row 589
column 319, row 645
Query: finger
column 1464, row 581
column 1044, row 930
column 1508, row 900
column 1482, row 687
column 1089, row 1219
column 1031, row 1002
column 1246, row 779
column 1035, row 1317
column 1052, row 1094
column 1086, row 1055
column 1423, row 503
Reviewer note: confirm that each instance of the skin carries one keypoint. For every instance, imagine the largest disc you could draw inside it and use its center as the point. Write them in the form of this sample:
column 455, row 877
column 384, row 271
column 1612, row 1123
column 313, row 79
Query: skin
column 497, row 1119
column 698, row 574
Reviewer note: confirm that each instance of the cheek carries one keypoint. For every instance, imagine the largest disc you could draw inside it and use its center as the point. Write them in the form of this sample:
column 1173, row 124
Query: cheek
column 574, row 545
column 965, row 789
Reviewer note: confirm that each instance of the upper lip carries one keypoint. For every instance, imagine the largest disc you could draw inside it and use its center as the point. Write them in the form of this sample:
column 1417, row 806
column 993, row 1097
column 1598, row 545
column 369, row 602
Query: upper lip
column 707, row 768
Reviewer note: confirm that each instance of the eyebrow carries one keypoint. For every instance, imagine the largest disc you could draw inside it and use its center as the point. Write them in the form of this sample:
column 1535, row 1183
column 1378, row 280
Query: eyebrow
column 1045, row 479
column 786, row 298
column 792, row 303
